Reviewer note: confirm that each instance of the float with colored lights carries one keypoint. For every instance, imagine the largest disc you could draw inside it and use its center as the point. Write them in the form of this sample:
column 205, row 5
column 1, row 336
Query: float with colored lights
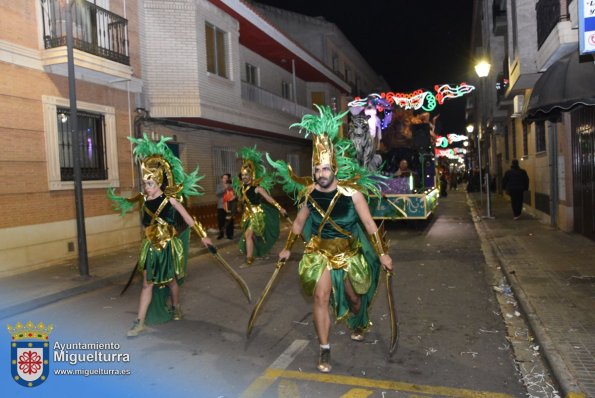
column 387, row 128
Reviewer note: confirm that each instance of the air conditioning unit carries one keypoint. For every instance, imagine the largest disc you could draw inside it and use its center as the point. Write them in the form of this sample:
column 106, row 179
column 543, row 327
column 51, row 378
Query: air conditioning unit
column 518, row 102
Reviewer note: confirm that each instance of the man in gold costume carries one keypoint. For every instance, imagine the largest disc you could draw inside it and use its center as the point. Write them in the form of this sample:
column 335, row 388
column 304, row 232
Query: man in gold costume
column 344, row 248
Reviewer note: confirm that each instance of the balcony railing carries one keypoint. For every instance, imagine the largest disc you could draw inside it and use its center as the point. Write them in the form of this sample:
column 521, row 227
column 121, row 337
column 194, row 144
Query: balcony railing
column 547, row 15
column 256, row 94
column 94, row 30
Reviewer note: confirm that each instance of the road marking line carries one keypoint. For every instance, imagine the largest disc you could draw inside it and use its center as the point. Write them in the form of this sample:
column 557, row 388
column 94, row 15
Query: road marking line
column 357, row 393
column 278, row 370
column 272, row 374
column 262, row 383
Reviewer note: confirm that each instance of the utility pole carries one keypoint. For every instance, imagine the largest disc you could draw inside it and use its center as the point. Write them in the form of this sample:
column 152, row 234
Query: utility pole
column 76, row 148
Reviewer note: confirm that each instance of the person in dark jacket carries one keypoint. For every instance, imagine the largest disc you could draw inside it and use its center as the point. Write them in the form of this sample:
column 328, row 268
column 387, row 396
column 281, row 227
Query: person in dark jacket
column 515, row 182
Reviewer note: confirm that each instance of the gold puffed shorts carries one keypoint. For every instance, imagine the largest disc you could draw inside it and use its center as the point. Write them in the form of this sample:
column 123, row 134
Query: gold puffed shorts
column 254, row 218
column 337, row 254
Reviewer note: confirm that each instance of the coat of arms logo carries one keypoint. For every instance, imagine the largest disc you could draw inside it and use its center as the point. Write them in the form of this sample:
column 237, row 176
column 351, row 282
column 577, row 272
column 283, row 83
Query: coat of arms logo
column 30, row 353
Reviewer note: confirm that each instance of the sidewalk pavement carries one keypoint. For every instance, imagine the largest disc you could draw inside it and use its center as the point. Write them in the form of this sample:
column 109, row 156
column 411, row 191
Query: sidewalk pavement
column 34, row 289
column 552, row 274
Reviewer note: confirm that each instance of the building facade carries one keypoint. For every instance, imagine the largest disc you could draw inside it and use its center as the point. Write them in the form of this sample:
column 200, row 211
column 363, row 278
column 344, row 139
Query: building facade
column 537, row 105
column 214, row 75
column 36, row 159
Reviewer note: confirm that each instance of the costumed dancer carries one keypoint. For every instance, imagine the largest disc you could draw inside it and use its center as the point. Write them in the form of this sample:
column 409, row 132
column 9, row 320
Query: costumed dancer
column 260, row 222
column 164, row 250
column 341, row 263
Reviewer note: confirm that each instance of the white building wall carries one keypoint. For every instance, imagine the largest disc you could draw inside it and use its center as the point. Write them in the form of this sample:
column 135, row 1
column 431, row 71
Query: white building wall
column 271, row 75
column 178, row 84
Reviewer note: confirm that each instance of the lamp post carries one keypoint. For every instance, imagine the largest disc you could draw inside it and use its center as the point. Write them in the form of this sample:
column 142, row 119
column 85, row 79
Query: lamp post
column 470, row 128
column 483, row 70
column 76, row 147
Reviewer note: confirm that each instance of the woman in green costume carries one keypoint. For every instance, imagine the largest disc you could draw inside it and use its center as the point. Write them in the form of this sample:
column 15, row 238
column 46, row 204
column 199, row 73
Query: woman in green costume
column 164, row 250
column 341, row 263
column 260, row 221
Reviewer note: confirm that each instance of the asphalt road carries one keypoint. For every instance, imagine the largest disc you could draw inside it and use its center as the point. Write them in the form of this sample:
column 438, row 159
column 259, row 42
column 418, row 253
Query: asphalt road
column 452, row 334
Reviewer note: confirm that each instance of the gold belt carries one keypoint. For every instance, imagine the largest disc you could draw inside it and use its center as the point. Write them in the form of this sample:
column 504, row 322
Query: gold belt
column 337, row 250
column 160, row 234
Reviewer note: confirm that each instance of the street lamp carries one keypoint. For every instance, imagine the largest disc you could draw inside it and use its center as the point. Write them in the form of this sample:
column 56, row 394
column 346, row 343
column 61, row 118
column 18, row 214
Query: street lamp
column 483, row 70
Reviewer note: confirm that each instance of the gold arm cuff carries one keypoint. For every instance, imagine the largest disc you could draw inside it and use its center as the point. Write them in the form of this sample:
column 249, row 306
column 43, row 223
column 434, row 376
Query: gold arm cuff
column 277, row 205
column 199, row 229
column 290, row 240
column 378, row 242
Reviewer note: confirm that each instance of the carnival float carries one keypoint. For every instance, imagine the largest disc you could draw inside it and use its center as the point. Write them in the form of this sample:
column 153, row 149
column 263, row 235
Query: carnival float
column 394, row 134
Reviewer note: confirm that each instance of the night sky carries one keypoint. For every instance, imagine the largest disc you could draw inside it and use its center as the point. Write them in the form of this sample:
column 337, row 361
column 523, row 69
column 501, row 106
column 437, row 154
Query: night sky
column 413, row 44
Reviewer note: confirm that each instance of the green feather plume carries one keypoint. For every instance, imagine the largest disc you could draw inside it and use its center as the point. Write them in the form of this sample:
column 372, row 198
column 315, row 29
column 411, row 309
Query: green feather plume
column 144, row 147
column 349, row 172
column 119, row 203
column 326, row 122
column 265, row 180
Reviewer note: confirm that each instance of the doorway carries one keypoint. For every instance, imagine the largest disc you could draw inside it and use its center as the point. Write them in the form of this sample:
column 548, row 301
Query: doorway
column 583, row 170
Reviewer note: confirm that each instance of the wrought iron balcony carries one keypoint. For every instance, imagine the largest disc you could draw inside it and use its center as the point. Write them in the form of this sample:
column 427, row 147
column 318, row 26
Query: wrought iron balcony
column 95, row 30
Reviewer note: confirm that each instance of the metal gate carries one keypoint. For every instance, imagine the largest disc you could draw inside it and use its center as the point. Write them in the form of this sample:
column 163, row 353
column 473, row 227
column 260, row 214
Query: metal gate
column 583, row 170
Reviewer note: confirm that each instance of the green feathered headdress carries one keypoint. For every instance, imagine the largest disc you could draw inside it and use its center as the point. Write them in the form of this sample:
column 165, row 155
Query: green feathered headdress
column 159, row 163
column 253, row 164
column 328, row 148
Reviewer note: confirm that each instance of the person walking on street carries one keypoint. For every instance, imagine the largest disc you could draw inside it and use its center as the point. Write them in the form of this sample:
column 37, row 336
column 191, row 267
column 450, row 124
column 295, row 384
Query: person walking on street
column 341, row 263
column 260, row 221
column 164, row 250
column 516, row 182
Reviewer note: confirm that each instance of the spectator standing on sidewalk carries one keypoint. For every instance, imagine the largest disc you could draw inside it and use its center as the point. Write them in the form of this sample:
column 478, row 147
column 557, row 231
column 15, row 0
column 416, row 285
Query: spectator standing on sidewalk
column 222, row 186
column 230, row 205
column 226, row 206
column 515, row 182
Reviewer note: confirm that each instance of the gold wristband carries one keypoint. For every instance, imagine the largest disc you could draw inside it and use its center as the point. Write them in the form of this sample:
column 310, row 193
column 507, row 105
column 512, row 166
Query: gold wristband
column 277, row 205
column 290, row 240
column 199, row 229
column 378, row 242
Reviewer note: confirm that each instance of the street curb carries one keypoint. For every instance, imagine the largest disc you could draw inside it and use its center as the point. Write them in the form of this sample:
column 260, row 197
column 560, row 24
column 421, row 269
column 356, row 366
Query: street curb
column 567, row 383
column 87, row 285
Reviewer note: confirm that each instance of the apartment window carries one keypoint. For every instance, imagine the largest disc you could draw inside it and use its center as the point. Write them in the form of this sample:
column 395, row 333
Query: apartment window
column 286, row 90
column 98, row 151
column 92, row 146
column 251, row 74
column 216, row 54
column 348, row 77
column 224, row 161
column 335, row 61
column 525, row 139
column 293, row 159
column 540, row 136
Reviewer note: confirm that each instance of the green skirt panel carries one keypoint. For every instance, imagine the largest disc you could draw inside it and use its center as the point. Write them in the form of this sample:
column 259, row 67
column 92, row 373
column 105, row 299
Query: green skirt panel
column 265, row 226
column 162, row 267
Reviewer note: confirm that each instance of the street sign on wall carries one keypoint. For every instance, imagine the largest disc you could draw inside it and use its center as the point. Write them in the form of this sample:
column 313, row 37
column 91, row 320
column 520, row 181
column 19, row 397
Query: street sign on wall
column 586, row 33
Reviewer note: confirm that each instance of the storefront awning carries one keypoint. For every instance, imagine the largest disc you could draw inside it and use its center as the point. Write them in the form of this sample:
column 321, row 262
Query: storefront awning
column 568, row 82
